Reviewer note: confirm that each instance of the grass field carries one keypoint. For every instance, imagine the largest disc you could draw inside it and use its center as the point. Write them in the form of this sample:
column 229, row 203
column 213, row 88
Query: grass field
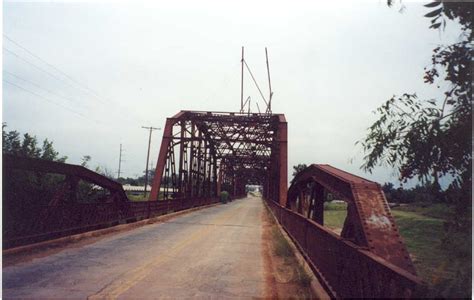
column 141, row 197
column 334, row 215
column 446, row 268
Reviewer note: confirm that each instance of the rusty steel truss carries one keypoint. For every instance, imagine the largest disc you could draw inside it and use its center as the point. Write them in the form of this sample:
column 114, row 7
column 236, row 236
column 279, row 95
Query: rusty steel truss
column 369, row 222
column 369, row 258
column 204, row 153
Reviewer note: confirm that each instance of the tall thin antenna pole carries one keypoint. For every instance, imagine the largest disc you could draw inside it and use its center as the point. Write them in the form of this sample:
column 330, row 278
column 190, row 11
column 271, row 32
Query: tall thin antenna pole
column 242, row 83
column 120, row 162
column 148, row 155
column 269, row 108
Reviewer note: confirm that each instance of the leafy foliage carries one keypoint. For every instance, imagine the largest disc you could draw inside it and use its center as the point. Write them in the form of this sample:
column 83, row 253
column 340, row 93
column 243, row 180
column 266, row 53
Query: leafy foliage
column 28, row 146
column 430, row 138
column 298, row 168
column 419, row 194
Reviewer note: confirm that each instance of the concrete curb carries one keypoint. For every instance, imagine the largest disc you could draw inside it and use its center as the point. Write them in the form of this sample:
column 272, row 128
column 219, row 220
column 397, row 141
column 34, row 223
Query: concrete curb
column 315, row 285
column 61, row 242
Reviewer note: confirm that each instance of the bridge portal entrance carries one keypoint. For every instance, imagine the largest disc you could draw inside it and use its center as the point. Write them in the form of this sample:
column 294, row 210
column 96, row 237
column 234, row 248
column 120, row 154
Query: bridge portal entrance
column 204, row 153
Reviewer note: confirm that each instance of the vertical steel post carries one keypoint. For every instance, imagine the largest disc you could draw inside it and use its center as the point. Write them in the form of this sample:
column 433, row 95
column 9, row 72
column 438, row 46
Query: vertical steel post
column 181, row 158
column 269, row 107
column 199, row 165
column 282, row 137
column 318, row 214
column 160, row 164
column 191, row 162
column 242, row 83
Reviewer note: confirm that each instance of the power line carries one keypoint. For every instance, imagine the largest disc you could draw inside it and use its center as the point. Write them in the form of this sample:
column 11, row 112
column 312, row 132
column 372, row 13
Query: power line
column 40, row 87
column 49, row 100
column 39, row 68
column 83, row 86
column 50, row 74
column 32, row 64
column 91, row 91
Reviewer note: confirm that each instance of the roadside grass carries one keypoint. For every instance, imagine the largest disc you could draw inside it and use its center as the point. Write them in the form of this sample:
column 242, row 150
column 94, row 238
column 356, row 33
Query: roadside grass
column 282, row 248
column 445, row 267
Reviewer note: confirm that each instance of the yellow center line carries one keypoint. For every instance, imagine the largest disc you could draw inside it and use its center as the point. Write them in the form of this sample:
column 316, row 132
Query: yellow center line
column 124, row 283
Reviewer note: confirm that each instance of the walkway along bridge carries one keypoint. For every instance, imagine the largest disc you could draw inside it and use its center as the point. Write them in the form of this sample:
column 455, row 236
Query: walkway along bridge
column 204, row 153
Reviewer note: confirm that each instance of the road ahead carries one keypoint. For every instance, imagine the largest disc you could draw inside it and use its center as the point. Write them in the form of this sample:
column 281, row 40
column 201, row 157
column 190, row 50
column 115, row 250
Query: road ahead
column 214, row 252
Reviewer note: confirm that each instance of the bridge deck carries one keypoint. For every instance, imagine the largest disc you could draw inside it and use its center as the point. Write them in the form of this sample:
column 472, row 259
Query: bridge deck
column 213, row 252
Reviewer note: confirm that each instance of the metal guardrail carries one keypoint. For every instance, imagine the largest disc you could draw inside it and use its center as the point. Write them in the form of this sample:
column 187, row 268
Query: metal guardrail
column 345, row 269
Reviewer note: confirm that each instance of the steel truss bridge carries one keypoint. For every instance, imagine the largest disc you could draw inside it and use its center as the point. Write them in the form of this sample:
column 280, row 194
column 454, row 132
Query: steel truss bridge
column 204, row 153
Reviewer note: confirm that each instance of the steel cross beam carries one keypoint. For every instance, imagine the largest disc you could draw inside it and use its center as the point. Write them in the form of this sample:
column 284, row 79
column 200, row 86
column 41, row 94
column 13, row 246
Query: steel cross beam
column 220, row 151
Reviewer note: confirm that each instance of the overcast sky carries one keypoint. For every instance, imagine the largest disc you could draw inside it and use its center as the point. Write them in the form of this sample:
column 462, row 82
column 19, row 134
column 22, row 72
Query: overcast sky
column 332, row 63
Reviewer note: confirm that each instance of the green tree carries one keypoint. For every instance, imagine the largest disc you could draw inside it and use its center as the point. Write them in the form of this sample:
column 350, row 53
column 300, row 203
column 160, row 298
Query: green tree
column 298, row 168
column 105, row 171
column 11, row 141
column 28, row 146
column 85, row 160
column 431, row 138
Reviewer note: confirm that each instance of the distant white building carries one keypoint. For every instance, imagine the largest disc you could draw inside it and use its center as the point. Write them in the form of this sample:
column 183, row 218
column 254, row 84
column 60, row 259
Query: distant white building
column 136, row 189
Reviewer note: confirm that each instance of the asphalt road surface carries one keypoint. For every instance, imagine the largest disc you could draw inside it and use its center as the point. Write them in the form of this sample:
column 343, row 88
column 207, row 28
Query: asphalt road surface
column 210, row 253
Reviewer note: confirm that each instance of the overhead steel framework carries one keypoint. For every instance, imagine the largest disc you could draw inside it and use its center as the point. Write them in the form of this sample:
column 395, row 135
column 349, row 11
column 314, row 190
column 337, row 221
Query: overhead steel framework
column 204, row 153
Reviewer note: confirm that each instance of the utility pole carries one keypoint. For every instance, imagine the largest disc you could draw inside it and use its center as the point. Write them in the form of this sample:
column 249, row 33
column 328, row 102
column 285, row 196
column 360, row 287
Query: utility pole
column 151, row 164
column 120, row 162
column 148, row 154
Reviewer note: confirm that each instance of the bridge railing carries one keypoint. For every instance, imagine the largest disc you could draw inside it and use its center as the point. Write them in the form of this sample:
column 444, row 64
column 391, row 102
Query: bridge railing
column 345, row 269
column 34, row 213
column 49, row 222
